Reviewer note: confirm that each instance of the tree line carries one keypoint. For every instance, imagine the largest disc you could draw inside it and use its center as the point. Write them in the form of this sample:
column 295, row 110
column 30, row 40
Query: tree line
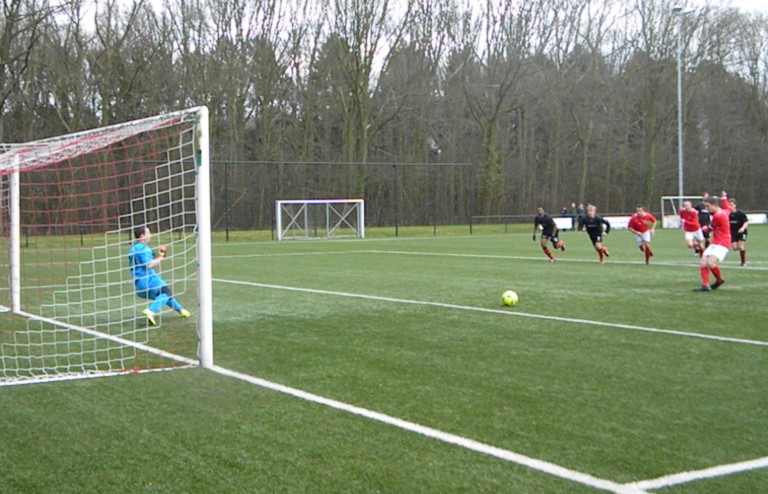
column 550, row 101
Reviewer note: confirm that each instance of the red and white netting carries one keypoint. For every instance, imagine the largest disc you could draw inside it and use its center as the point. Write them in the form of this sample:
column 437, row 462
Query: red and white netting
column 79, row 198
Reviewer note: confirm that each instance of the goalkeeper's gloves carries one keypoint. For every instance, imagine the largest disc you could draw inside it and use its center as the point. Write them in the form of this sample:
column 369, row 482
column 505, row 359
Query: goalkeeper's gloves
column 163, row 250
column 534, row 237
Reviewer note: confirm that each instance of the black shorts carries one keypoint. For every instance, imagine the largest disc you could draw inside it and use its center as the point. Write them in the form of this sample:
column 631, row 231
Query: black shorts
column 737, row 237
column 547, row 233
column 595, row 237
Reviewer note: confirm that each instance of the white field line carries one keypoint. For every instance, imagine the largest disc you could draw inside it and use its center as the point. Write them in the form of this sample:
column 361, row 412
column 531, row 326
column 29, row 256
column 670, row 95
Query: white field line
column 707, row 473
column 642, row 486
column 540, row 465
column 92, row 332
column 693, row 263
column 115, row 339
column 472, row 445
column 512, row 313
column 294, row 254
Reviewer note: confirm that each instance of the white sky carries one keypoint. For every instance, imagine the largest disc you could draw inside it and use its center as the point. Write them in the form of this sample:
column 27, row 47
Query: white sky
column 746, row 5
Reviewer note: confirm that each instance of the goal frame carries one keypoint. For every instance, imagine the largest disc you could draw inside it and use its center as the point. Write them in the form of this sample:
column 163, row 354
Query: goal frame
column 61, row 149
column 298, row 219
column 670, row 209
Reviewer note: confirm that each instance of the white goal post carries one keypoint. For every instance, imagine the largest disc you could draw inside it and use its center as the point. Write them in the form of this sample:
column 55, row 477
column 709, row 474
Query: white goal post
column 670, row 209
column 70, row 207
column 319, row 218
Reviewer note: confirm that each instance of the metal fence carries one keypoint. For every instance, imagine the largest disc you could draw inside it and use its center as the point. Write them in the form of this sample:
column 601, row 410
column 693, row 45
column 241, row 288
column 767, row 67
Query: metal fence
column 396, row 194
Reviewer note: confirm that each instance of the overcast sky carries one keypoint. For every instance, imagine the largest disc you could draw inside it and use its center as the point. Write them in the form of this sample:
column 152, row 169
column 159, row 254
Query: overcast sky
column 759, row 5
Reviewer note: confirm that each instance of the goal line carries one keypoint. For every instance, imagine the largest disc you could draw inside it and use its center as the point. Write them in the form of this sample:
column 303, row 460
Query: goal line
column 63, row 376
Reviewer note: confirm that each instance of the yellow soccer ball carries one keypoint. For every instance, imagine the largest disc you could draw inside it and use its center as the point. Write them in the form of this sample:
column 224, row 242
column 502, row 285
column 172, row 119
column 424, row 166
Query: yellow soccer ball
column 510, row 298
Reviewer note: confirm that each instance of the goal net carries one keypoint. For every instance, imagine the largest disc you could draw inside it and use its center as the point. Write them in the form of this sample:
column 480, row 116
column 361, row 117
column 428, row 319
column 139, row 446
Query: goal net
column 320, row 218
column 670, row 209
column 69, row 207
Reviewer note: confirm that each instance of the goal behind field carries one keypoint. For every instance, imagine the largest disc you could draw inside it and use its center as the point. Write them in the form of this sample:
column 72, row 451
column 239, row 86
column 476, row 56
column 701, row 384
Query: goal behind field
column 670, row 209
column 320, row 218
column 68, row 207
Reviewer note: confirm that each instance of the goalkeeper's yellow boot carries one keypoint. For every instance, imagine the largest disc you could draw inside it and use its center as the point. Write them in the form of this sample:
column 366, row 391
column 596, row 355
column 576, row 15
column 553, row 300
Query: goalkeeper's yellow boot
column 150, row 317
column 184, row 313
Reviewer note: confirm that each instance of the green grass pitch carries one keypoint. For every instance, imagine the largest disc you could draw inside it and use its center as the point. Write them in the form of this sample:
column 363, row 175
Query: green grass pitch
column 617, row 371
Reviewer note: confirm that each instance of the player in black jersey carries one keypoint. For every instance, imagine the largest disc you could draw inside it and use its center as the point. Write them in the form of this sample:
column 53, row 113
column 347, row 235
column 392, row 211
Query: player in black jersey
column 593, row 224
column 739, row 223
column 548, row 232
column 704, row 217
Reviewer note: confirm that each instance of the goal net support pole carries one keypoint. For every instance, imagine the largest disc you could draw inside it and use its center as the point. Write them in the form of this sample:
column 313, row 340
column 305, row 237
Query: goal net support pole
column 205, row 272
column 15, row 238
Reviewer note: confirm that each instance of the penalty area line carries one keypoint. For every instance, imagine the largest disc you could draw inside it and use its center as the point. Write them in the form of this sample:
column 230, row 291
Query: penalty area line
column 707, row 473
column 485, row 310
column 525, row 258
column 470, row 444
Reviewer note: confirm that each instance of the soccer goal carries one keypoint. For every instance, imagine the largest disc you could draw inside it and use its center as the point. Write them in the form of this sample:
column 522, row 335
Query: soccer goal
column 68, row 209
column 670, row 209
column 320, row 218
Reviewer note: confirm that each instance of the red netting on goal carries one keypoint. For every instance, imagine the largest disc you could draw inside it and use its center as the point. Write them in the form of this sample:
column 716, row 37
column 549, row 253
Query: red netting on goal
column 79, row 199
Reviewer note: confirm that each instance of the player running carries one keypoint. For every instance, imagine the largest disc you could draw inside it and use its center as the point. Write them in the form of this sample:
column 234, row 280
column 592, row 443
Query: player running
column 548, row 232
column 718, row 248
column 704, row 217
column 739, row 223
column 149, row 284
column 594, row 227
column 689, row 219
column 643, row 225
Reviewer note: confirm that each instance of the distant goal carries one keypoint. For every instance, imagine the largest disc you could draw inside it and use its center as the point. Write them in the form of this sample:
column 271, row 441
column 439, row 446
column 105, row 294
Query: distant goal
column 670, row 209
column 306, row 219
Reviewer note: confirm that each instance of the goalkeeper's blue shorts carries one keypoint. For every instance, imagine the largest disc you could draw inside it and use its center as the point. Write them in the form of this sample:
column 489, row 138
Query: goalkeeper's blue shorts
column 149, row 287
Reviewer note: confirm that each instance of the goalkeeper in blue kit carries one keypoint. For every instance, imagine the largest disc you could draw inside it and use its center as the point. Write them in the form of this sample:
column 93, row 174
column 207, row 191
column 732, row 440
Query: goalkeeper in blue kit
column 148, row 283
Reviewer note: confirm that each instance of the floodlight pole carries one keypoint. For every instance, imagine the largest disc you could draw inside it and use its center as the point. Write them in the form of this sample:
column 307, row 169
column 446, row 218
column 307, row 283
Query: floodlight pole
column 678, row 12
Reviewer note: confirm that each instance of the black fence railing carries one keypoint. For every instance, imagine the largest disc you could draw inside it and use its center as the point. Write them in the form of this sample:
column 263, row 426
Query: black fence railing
column 396, row 194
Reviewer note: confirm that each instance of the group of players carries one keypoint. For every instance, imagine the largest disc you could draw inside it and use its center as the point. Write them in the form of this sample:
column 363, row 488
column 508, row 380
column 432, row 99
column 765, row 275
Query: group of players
column 710, row 229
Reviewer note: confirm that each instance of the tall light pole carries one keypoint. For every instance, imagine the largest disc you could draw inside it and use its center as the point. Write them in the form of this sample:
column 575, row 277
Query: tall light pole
column 678, row 12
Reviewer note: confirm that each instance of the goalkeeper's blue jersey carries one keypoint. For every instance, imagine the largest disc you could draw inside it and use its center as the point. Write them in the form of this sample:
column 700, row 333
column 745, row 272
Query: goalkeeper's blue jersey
column 139, row 258
column 147, row 282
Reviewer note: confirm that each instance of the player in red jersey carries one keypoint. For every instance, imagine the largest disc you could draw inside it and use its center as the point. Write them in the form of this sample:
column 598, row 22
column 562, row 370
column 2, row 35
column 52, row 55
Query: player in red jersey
column 689, row 219
column 643, row 225
column 718, row 247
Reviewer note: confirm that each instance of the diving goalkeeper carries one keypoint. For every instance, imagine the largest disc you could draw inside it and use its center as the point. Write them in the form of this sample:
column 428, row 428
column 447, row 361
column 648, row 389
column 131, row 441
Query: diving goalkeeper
column 149, row 284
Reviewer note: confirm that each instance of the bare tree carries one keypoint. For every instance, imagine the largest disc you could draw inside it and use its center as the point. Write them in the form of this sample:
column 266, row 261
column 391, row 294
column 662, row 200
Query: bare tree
column 366, row 33
column 66, row 75
column 20, row 33
column 514, row 35
column 586, row 84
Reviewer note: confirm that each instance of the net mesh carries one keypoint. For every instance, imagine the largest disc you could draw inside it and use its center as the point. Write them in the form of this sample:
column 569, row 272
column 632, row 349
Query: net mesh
column 320, row 218
column 81, row 196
